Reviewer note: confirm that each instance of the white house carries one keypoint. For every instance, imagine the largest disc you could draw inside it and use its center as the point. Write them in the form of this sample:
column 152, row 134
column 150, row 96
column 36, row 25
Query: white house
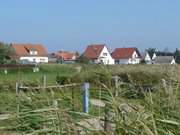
column 30, row 53
column 164, row 60
column 98, row 53
column 146, row 58
column 126, row 56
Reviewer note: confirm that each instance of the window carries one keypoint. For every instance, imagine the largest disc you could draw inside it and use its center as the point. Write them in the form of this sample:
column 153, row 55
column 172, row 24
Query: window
column 116, row 61
column 105, row 54
column 33, row 52
column 101, row 61
column 42, row 60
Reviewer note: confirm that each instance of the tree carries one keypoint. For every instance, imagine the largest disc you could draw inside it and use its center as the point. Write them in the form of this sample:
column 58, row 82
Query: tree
column 177, row 56
column 151, row 51
column 82, row 59
column 5, row 52
column 165, row 52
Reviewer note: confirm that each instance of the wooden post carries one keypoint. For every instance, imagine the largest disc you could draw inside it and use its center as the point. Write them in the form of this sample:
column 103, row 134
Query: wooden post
column 17, row 95
column 86, row 97
column 17, row 88
column 107, row 121
column 55, row 103
column 116, row 85
column 73, row 99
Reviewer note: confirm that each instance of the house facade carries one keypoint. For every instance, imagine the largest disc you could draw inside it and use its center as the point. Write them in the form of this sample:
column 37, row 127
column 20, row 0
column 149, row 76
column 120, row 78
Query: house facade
column 146, row 58
column 98, row 54
column 30, row 53
column 126, row 56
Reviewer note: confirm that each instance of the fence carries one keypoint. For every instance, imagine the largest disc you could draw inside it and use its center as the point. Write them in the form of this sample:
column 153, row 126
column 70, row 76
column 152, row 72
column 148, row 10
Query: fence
column 85, row 88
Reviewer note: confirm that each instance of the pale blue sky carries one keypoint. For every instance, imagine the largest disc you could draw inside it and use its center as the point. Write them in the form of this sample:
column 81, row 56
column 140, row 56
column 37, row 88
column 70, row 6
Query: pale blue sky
column 73, row 24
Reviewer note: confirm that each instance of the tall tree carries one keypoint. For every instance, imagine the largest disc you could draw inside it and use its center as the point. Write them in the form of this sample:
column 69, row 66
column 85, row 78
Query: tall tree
column 151, row 51
column 165, row 52
column 5, row 52
column 82, row 59
column 177, row 56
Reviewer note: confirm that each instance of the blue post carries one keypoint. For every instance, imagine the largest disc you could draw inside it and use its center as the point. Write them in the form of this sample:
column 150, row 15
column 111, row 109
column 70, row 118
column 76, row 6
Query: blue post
column 86, row 97
column 17, row 88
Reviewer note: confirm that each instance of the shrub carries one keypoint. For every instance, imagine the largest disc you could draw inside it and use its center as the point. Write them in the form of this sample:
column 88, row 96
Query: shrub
column 62, row 80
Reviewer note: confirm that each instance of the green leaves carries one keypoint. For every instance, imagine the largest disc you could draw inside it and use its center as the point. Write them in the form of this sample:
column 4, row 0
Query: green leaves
column 5, row 52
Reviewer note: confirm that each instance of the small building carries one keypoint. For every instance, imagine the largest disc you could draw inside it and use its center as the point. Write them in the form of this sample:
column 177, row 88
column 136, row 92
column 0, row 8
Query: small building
column 52, row 58
column 164, row 60
column 98, row 54
column 64, row 57
column 29, row 53
column 126, row 56
column 145, row 57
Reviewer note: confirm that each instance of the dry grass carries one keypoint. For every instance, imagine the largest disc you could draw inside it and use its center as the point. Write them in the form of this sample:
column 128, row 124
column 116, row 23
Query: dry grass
column 134, row 111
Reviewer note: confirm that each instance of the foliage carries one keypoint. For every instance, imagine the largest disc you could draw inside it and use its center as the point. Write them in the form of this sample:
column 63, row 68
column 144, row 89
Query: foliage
column 132, row 111
column 155, row 114
column 163, row 53
column 151, row 51
column 5, row 51
column 83, row 60
column 143, row 61
column 62, row 80
column 177, row 56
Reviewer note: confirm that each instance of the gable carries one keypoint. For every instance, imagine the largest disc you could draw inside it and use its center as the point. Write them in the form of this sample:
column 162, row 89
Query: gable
column 134, row 55
column 154, row 56
column 93, row 51
column 105, row 52
column 147, row 56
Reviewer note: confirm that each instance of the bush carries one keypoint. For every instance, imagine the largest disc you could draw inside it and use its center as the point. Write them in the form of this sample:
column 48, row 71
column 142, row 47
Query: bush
column 82, row 59
column 141, row 78
column 62, row 80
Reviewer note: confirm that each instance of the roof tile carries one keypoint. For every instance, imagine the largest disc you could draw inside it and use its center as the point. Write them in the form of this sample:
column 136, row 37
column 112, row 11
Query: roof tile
column 124, row 53
column 23, row 49
column 93, row 51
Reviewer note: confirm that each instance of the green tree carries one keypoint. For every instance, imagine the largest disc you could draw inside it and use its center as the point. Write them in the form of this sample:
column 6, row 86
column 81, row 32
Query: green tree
column 82, row 59
column 177, row 56
column 151, row 51
column 5, row 52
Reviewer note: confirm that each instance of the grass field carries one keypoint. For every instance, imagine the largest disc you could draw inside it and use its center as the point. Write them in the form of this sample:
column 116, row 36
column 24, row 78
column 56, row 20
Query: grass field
column 27, row 74
column 147, row 102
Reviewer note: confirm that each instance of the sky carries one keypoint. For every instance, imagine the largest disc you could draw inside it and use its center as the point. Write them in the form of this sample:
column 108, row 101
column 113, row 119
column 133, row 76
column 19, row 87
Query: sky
column 73, row 24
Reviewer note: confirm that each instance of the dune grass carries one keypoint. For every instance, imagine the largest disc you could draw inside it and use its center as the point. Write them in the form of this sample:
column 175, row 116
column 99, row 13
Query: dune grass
column 133, row 111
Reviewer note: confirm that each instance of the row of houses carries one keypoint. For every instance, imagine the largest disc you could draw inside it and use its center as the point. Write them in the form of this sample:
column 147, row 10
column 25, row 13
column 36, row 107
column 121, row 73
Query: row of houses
column 101, row 54
column 96, row 53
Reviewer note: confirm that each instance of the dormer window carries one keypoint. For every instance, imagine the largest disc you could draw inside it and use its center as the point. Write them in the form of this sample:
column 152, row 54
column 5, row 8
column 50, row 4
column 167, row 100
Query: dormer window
column 33, row 52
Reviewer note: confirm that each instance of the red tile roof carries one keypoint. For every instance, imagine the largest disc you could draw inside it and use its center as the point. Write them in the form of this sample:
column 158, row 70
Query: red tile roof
column 93, row 51
column 65, row 55
column 124, row 53
column 24, row 49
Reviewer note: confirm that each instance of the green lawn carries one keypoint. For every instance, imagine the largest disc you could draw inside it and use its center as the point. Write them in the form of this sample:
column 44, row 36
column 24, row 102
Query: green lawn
column 27, row 74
